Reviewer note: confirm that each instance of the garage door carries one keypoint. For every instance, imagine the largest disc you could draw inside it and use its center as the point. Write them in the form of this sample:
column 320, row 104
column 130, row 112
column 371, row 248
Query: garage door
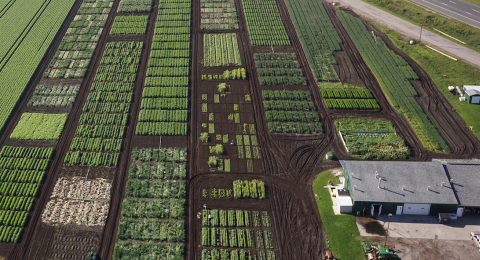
column 475, row 99
column 416, row 209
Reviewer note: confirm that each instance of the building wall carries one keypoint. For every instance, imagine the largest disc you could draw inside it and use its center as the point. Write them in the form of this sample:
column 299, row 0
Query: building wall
column 391, row 207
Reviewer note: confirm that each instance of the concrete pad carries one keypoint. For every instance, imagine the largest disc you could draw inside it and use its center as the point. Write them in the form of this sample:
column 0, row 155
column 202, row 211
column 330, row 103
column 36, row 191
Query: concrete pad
column 426, row 227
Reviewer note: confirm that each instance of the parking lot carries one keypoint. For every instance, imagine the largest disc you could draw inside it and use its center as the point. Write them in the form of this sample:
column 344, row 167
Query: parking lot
column 422, row 237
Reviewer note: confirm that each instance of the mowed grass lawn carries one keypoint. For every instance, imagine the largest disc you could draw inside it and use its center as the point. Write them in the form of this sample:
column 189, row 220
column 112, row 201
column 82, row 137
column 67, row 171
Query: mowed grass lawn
column 341, row 231
column 444, row 72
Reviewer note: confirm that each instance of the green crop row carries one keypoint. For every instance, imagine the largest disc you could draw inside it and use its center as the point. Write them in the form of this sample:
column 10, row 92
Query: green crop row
column 148, row 230
column 276, row 56
column 288, row 105
column 10, row 234
column 172, row 30
column 105, row 119
column 164, row 103
column 96, row 144
column 134, row 6
column 295, row 116
column 171, row 154
column 351, row 104
column 277, row 63
column 13, row 218
column 39, row 126
column 155, row 189
column 279, row 72
column 254, row 189
column 16, row 203
column 126, row 250
column 59, row 90
column 286, row 94
column 166, row 82
column 173, row 23
column 171, row 92
column 51, row 101
column 264, row 23
column 112, row 86
column 147, row 115
column 95, row 107
column 21, row 176
column 100, row 131
column 242, row 238
column 221, row 50
column 19, row 189
column 318, row 36
column 236, row 254
column 153, row 208
column 161, row 128
column 157, row 170
column 23, row 164
column 121, row 68
column 104, row 96
column 171, row 38
column 168, row 71
column 178, row 62
column 170, row 45
column 346, row 93
column 129, row 30
column 386, row 66
column 170, row 54
column 112, row 77
column 91, row 158
column 24, row 152
column 282, row 80
column 295, row 127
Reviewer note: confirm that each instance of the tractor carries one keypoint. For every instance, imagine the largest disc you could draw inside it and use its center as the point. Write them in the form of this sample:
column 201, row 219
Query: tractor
column 381, row 253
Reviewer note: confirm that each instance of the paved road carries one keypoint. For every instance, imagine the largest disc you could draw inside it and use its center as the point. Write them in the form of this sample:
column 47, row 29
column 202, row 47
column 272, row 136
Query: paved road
column 410, row 30
column 457, row 9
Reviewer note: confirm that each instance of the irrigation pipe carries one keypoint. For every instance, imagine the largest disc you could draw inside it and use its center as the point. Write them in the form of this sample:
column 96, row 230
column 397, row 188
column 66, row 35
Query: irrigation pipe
column 448, row 35
column 442, row 53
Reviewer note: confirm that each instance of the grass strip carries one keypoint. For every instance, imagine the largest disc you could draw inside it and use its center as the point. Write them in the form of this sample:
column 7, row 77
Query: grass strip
column 341, row 231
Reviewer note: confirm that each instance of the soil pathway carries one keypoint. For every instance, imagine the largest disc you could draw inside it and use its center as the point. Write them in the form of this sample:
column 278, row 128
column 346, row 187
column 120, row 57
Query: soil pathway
column 410, row 30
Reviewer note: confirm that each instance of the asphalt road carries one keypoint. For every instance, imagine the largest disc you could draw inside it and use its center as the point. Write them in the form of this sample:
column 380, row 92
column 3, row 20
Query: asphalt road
column 410, row 30
column 457, row 9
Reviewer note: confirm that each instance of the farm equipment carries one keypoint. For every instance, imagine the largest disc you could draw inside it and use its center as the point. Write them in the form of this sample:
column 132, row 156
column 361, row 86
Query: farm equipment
column 381, row 253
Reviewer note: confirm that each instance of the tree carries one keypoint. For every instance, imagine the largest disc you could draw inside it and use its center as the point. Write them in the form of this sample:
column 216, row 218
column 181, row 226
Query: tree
column 204, row 137
column 213, row 161
column 222, row 87
column 219, row 149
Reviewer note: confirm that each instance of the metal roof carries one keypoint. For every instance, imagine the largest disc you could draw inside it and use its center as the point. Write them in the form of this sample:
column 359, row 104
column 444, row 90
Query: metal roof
column 466, row 183
column 415, row 176
column 472, row 92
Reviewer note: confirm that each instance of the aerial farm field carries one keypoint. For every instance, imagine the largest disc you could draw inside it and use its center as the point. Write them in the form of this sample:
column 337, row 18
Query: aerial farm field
column 181, row 129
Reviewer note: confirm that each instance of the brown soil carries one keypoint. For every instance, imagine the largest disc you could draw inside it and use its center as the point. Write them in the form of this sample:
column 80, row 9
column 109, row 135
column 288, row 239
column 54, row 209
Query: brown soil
column 288, row 163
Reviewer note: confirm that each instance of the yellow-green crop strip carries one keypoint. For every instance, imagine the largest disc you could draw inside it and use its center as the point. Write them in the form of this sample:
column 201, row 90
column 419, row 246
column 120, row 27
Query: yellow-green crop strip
column 39, row 126
column 28, row 28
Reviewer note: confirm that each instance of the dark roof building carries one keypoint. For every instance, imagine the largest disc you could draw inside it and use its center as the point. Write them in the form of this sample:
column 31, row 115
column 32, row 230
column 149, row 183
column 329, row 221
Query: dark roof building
column 466, row 183
column 399, row 187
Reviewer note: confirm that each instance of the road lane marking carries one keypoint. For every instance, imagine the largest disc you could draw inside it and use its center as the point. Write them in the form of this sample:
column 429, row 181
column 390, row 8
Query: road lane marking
column 452, row 2
column 475, row 11
column 452, row 11
column 468, row 13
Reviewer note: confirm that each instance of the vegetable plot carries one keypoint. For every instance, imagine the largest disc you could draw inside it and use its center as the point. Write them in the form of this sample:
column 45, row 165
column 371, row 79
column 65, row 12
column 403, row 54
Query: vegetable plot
column 221, row 50
column 105, row 114
column 291, row 112
column 54, row 96
column 264, row 24
column 154, row 206
column 135, row 6
column 80, row 41
column 28, row 27
column 279, row 69
column 130, row 24
column 371, row 138
column 393, row 74
column 218, row 14
column 165, row 97
column 38, row 126
column 317, row 35
column 21, row 171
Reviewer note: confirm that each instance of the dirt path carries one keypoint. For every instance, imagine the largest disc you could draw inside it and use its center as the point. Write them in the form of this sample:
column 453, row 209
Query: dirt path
column 411, row 30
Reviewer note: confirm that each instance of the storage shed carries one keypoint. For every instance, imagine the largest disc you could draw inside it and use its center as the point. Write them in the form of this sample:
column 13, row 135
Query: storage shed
column 382, row 187
column 472, row 94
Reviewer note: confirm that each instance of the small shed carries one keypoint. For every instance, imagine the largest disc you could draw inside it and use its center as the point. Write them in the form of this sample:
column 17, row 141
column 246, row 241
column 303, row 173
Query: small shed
column 472, row 94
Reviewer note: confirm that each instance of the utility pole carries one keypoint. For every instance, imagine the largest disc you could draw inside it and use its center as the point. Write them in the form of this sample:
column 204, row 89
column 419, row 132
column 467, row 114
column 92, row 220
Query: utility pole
column 389, row 216
column 421, row 27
